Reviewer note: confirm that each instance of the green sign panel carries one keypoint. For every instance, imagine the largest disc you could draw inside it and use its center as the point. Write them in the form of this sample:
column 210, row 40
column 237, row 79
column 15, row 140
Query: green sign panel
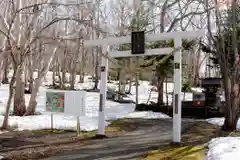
column 55, row 101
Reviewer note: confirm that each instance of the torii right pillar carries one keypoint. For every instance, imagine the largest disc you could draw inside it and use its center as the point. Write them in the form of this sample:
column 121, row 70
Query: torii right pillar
column 177, row 102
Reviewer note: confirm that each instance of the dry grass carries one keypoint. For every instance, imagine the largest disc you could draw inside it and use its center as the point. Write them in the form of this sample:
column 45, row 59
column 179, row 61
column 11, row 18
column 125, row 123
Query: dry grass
column 194, row 144
column 116, row 127
column 178, row 153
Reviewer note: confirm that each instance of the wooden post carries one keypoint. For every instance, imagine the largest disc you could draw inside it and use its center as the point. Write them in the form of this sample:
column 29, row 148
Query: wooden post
column 51, row 123
column 78, row 126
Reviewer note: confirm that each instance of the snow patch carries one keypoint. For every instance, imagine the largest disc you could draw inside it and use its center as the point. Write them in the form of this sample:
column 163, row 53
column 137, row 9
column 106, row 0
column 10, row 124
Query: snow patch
column 59, row 122
column 224, row 148
column 147, row 115
column 216, row 121
column 89, row 122
column 220, row 121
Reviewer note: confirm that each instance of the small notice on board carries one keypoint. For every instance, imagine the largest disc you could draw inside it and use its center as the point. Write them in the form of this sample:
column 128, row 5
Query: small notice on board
column 55, row 102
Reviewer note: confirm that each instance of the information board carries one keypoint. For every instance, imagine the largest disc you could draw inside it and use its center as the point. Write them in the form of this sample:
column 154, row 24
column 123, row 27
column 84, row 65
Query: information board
column 67, row 102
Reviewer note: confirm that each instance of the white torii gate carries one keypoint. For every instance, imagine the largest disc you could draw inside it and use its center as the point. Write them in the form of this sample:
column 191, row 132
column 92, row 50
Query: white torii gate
column 107, row 42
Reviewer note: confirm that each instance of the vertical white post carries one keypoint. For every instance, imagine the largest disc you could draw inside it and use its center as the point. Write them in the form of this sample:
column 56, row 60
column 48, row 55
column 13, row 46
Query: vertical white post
column 103, row 92
column 177, row 102
column 136, row 6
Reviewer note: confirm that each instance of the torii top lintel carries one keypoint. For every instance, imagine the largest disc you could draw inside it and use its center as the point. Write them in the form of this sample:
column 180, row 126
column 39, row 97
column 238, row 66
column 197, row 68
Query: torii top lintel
column 148, row 38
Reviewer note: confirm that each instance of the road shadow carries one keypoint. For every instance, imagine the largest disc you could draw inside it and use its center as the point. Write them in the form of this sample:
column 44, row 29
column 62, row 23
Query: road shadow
column 150, row 135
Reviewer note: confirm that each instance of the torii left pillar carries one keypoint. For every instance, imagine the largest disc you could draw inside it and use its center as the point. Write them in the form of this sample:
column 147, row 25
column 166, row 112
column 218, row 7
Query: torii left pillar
column 103, row 91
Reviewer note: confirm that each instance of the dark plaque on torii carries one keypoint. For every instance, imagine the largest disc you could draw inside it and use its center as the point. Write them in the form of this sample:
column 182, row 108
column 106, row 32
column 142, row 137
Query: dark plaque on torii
column 138, row 42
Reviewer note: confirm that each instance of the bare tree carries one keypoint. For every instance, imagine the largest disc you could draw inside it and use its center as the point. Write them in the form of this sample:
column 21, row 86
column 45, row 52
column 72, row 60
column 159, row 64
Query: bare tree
column 29, row 33
column 176, row 15
column 223, row 43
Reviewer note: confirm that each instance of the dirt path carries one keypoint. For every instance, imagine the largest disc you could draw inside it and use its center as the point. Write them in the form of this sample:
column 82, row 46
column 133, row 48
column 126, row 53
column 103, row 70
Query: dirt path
column 149, row 136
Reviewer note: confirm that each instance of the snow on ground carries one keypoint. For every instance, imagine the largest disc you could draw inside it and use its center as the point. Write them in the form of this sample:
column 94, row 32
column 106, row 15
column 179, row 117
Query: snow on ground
column 220, row 122
column 224, row 148
column 147, row 115
column 216, row 121
column 89, row 122
column 39, row 122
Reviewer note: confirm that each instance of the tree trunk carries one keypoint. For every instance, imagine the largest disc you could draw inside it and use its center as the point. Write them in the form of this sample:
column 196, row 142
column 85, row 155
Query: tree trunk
column 153, row 81
column 232, row 104
column 26, row 73
column 233, row 98
column 54, row 77
column 54, row 72
column 137, row 80
column 96, row 80
column 81, row 78
column 81, row 75
column 6, row 71
column 149, row 96
column 31, row 79
column 197, row 65
column 130, row 86
column 119, row 82
column 63, row 66
column 61, row 83
column 32, row 102
column 19, row 98
column 45, row 78
column 160, row 78
column 231, row 117
column 123, row 84
column 160, row 90
column 30, row 86
column 63, row 69
column 1, row 68
column 72, row 81
column 166, row 90
column 73, row 77
column 11, row 92
column 30, row 73
column 82, row 66
column 4, row 64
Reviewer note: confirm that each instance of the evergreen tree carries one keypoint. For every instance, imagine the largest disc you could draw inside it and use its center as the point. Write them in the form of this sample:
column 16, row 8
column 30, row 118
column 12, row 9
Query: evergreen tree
column 163, row 64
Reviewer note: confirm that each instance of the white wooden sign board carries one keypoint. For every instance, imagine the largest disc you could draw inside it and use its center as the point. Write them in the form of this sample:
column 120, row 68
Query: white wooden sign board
column 66, row 102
